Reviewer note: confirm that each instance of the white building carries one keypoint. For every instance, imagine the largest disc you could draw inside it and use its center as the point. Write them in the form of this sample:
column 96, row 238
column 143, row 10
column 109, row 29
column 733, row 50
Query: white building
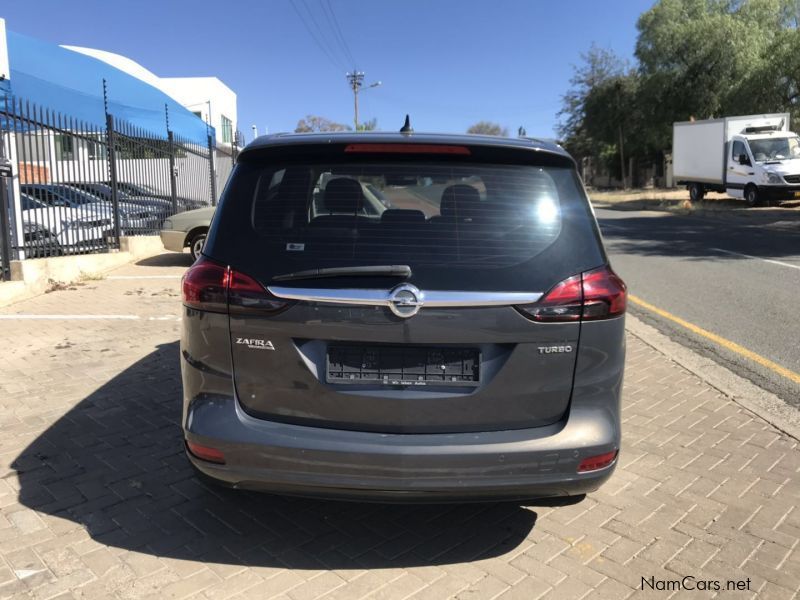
column 207, row 97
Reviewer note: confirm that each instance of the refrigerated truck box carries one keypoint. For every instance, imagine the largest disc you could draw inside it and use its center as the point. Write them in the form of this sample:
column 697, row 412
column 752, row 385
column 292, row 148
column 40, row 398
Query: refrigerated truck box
column 699, row 148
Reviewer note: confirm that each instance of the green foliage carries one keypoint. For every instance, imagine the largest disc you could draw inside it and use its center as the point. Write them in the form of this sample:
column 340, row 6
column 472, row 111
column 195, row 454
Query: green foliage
column 488, row 128
column 599, row 65
column 370, row 125
column 695, row 58
column 775, row 87
column 313, row 124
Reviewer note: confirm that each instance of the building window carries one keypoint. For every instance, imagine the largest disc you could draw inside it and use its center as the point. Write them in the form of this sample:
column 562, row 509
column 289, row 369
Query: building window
column 96, row 150
column 226, row 126
column 65, row 147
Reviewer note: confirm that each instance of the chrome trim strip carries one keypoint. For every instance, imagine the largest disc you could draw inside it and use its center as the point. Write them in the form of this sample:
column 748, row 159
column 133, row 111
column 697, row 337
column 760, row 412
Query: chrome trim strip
column 437, row 299
column 456, row 299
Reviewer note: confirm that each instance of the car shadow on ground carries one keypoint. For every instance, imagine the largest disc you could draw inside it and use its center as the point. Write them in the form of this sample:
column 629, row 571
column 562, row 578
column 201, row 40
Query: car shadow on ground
column 167, row 259
column 115, row 465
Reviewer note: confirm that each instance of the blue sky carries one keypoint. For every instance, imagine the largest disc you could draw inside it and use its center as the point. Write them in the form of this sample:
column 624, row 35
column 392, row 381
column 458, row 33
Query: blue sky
column 448, row 63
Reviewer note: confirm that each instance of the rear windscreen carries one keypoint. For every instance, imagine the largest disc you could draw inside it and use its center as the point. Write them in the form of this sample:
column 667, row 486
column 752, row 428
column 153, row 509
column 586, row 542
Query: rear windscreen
column 479, row 220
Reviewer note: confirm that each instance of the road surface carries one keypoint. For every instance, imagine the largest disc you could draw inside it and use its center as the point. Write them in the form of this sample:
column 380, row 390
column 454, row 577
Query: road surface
column 730, row 291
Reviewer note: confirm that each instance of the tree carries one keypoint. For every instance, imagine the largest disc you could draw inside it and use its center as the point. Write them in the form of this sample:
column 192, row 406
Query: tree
column 370, row 125
column 694, row 56
column 775, row 87
column 488, row 128
column 695, row 59
column 611, row 117
column 313, row 123
column 598, row 66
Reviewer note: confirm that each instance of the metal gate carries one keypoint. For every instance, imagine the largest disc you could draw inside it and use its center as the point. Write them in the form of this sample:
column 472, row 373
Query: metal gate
column 78, row 187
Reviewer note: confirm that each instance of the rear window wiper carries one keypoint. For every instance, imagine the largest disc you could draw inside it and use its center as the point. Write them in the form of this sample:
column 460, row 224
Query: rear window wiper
column 362, row 271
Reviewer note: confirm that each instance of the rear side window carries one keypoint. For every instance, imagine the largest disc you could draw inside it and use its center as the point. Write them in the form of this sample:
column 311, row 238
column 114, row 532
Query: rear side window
column 479, row 225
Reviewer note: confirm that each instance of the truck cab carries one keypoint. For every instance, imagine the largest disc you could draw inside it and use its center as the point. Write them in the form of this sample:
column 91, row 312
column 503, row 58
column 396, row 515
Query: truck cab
column 763, row 167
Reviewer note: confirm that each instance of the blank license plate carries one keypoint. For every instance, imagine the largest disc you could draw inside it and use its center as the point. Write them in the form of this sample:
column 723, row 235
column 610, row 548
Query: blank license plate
column 403, row 365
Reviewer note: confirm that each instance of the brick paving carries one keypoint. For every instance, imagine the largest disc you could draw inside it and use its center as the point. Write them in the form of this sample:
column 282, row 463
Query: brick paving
column 97, row 500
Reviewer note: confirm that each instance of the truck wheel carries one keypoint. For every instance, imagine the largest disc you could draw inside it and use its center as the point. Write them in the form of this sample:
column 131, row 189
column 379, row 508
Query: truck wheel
column 751, row 196
column 696, row 192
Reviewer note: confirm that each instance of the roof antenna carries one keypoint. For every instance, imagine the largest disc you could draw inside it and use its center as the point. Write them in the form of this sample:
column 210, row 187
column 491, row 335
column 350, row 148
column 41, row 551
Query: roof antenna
column 406, row 128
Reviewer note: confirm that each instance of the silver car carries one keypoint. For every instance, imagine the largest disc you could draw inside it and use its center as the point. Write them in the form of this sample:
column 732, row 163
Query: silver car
column 187, row 229
column 460, row 340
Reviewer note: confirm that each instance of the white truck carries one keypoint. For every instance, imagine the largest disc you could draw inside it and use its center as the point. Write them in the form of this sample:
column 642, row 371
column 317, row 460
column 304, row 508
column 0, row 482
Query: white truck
column 754, row 157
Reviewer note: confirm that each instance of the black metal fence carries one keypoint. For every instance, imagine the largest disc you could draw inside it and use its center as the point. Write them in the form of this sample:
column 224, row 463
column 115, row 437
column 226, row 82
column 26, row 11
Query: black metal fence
column 81, row 186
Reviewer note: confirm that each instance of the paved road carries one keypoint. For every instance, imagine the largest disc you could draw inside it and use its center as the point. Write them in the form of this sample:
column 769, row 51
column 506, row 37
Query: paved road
column 696, row 269
column 98, row 501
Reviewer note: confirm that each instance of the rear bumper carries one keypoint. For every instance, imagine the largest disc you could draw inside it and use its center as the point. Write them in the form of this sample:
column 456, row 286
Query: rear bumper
column 173, row 240
column 488, row 466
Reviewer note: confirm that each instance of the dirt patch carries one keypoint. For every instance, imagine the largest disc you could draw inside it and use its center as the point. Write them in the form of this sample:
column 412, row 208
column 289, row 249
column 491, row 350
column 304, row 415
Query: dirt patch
column 59, row 286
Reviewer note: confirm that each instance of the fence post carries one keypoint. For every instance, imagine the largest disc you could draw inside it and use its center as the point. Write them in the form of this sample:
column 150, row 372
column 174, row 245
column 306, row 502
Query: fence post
column 6, row 175
column 173, row 173
column 112, row 175
column 212, row 167
column 5, row 223
column 237, row 138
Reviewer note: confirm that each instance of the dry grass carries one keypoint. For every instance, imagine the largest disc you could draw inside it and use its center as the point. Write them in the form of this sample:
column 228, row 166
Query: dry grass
column 60, row 286
column 84, row 276
column 678, row 201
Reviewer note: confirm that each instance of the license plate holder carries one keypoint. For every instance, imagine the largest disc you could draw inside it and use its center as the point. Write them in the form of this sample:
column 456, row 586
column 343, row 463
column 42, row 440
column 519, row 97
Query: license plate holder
column 351, row 364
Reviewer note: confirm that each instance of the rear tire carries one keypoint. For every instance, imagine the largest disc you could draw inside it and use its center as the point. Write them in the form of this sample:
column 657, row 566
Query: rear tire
column 751, row 196
column 696, row 192
column 196, row 245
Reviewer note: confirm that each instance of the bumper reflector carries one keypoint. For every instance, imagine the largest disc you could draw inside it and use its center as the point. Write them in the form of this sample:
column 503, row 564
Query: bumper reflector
column 206, row 453
column 594, row 463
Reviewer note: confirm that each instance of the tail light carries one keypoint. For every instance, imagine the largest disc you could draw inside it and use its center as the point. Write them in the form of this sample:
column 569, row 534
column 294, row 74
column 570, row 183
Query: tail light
column 212, row 287
column 407, row 149
column 205, row 286
column 206, row 453
column 590, row 296
column 595, row 463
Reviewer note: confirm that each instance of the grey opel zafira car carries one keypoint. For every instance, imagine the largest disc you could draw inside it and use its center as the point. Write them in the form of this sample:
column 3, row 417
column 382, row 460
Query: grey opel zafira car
column 458, row 335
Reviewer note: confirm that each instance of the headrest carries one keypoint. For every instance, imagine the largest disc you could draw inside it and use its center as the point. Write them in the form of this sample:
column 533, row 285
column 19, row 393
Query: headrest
column 343, row 195
column 462, row 201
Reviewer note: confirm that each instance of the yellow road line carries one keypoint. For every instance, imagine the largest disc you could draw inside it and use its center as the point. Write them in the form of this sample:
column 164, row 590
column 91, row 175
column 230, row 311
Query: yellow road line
column 727, row 344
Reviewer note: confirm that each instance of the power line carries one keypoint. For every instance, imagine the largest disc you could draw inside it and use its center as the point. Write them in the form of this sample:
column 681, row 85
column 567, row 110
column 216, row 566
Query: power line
column 337, row 29
column 322, row 34
column 319, row 44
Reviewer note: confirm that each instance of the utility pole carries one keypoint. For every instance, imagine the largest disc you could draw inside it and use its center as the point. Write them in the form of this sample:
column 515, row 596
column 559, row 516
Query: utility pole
column 356, row 81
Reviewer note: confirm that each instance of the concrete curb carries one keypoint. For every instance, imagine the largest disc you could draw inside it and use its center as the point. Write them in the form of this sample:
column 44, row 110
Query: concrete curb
column 743, row 392
column 31, row 277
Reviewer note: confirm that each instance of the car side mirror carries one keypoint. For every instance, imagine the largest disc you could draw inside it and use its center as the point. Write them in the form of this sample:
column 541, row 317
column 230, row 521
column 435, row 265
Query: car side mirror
column 743, row 160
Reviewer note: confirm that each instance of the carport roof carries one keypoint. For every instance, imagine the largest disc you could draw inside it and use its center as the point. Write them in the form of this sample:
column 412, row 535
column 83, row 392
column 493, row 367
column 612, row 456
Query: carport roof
column 71, row 83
